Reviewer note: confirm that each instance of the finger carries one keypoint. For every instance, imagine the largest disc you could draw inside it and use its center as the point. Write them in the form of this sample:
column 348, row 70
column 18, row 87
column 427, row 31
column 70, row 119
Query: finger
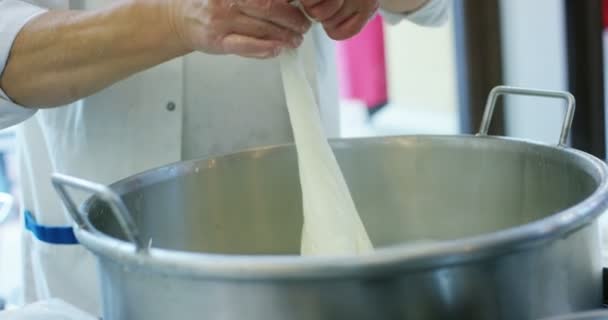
column 350, row 8
column 265, row 30
column 347, row 10
column 350, row 20
column 347, row 28
column 352, row 25
column 250, row 47
column 276, row 11
column 325, row 10
column 310, row 3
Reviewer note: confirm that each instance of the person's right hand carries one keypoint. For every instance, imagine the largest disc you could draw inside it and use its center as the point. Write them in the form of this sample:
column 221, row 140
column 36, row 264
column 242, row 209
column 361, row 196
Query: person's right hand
column 249, row 28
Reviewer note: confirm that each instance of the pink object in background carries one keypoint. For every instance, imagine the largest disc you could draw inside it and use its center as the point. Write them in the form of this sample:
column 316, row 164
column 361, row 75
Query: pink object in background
column 362, row 66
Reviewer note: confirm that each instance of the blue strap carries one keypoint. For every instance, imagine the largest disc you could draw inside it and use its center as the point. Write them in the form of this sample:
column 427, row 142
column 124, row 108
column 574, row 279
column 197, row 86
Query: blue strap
column 52, row 235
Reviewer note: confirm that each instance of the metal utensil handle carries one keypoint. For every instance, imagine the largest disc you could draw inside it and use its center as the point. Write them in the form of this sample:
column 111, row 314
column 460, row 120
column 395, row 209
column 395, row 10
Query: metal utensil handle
column 117, row 206
column 504, row 90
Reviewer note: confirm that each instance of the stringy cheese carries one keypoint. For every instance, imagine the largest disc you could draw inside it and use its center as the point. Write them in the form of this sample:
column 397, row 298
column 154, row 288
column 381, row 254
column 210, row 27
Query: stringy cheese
column 332, row 225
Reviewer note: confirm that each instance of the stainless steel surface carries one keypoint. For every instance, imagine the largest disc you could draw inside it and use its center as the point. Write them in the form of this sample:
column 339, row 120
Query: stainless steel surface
column 590, row 315
column 512, row 223
column 118, row 208
column 504, row 90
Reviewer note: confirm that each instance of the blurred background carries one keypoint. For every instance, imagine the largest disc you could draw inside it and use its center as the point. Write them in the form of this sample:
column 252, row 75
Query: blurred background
column 406, row 79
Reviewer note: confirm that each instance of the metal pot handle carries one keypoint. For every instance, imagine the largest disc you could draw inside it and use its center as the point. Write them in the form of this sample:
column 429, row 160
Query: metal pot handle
column 504, row 90
column 117, row 206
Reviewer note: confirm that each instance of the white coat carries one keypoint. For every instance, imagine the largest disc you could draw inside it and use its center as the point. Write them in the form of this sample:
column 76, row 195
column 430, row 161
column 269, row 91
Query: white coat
column 235, row 103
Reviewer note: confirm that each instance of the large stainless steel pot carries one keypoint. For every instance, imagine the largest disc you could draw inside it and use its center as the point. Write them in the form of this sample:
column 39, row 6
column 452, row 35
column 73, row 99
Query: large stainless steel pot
column 512, row 223
column 589, row 315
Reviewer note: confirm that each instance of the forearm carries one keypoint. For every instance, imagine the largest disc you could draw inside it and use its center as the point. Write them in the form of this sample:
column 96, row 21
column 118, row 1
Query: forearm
column 402, row 6
column 62, row 56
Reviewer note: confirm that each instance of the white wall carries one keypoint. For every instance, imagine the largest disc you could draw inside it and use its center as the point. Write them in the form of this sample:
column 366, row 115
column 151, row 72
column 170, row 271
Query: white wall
column 534, row 55
column 421, row 67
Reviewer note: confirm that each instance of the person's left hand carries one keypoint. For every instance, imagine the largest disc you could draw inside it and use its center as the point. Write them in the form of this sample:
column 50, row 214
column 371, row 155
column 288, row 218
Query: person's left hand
column 341, row 19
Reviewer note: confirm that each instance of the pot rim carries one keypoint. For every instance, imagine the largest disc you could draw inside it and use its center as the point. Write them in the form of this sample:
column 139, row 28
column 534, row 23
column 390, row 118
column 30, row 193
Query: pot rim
column 380, row 261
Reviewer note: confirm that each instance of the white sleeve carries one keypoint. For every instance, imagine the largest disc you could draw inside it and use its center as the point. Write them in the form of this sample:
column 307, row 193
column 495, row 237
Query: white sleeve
column 433, row 13
column 14, row 15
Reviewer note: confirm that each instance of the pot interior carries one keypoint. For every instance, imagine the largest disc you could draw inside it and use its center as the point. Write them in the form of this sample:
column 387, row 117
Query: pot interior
column 406, row 189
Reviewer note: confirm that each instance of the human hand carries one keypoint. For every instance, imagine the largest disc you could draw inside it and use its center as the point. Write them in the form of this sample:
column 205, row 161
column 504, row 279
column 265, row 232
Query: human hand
column 249, row 28
column 341, row 19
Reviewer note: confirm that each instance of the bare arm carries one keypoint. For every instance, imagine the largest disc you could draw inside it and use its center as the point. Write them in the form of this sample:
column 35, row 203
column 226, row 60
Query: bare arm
column 62, row 56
